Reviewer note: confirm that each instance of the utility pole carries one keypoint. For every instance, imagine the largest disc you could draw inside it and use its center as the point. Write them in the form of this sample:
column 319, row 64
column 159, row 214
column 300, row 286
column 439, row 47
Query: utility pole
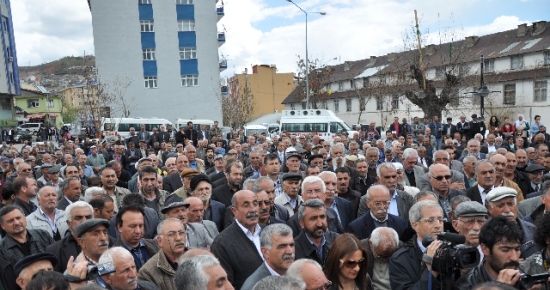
column 420, row 49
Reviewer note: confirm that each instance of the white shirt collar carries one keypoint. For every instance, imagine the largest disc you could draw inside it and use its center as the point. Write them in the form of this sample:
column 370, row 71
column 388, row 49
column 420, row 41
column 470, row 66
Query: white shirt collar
column 257, row 229
column 273, row 273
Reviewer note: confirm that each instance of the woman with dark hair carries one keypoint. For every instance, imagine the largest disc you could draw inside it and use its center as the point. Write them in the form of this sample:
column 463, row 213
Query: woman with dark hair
column 346, row 265
column 494, row 125
column 508, row 128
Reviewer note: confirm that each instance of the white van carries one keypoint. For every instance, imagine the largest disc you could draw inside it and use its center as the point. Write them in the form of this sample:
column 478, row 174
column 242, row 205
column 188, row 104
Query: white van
column 323, row 122
column 255, row 129
column 121, row 126
column 30, row 127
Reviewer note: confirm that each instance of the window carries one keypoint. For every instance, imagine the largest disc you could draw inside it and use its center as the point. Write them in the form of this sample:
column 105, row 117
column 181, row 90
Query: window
column 540, row 91
column 440, row 72
column 149, row 54
column 395, row 103
column 365, row 82
column 150, row 82
column 8, row 50
column 33, row 103
column 293, row 106
column 382, row 79
column 188, row 52
column 379, row 105
column 510, row 94
column 340, row 86
column 189, row 80
column 5, row 24
column 336, row 106
column 352, row 84
column 11, row 78
column 517, row 62
column 144, row 1
column 186, row 25
column 147, row 25
column 336, row 127
column 547, row 58
column 348, row 105
column 489, row 65
column 50, row 103
column 184, row 1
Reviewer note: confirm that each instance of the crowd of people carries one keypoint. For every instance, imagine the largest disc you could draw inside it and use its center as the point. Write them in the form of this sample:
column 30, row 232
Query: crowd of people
column 193, row 209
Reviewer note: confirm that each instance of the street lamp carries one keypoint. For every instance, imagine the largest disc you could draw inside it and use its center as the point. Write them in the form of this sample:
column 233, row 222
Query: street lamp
column 307, row 57
column 482, row 91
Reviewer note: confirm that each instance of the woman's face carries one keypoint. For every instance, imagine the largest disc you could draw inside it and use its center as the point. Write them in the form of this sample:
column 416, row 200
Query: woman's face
column 520, row 117
column 351, row 264
column 493, row 119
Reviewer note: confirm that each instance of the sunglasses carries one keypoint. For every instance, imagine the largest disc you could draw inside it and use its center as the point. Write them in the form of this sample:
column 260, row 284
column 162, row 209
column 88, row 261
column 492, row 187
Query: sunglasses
column 439, row 178
column 352, row 264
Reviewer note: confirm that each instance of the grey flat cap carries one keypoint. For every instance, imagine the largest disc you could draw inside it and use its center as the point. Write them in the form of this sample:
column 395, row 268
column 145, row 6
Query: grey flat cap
column 470, row 208
column 89, row 225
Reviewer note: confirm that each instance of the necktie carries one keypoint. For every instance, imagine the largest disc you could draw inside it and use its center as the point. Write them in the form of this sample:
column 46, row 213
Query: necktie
column 422, row 161
column 536, row 188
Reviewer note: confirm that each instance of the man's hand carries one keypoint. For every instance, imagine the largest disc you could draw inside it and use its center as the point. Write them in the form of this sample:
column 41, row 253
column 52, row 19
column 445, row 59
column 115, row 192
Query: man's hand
column 430, row 251
column 457, row 185
column 508, row 276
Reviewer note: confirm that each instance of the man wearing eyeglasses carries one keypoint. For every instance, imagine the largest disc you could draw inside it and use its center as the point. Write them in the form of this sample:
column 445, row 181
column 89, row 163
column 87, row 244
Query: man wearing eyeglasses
column 378, row 202
column 502, row 201
column 470, row 216
column 405, row 268
column 440, row 179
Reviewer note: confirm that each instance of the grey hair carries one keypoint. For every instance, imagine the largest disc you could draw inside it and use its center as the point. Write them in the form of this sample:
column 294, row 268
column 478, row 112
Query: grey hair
column 256, row 186
column 473, row 140
column 42, row 189
column 90, row 191
column 164, row 222
column 190, row 274
column 441, row 151
column 313, row 203
column 311, row 180
column 18, row 167
column 545, row 188
column 481, row 162
column 112, row 253
column 295, row 269
column 339, row 145
column 379, row 141
column 385, row 165
column 79, row 204
column 468, row 159
column 371, row 149
column 455, row 201
column 409, row 152
column 385, row 235
column 424, row 193
column 377, row 187
column 67, row 181
column 272, row 231
column 280, row 282
column 415, row 213
column 248, row 184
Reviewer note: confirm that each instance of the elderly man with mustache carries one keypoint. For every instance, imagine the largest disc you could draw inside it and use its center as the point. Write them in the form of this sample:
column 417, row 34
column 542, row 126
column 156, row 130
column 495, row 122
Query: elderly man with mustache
column 93, row 238
column 161, row 268
column 470, row 216
column 238, row 247
column 277, row 246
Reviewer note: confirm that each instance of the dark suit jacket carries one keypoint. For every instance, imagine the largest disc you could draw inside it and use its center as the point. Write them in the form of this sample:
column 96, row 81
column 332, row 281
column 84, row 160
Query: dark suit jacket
column 63, row 250
column 216, row 176
column 201, row 135
column 404, row 203
column 474, row 194
column 164, row 135
column 229, row 247
column 151, row 245
column 258, row 275
column 304, row 250
column 445, row 127
column 150, row 220
column 192, row 135
column 63, row 203
column 463, row 130
column 363, row 226
column 354, row 198
column 345, row 211
column 220, row 182
column 172, row 182
column 7, row 273
column 217, row 210
column 223, row 194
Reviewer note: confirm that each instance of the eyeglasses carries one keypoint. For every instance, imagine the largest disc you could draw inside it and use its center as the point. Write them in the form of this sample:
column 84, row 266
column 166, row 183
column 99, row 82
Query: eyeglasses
column 470, row 222
column 262, row 202
column 324, row 287
column 439, row 178
column 231, row 153
column 173, row 234
column 433, row 220
column 26, row 170
column 352, row 264
column 382, row 203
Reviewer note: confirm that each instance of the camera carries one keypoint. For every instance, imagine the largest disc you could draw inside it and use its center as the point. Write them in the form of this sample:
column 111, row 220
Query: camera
column 95, row 271
column 451, row 255
column 527, row 281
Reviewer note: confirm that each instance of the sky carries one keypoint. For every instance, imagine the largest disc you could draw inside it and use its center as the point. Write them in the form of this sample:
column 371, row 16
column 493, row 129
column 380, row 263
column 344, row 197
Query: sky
column 273, row 31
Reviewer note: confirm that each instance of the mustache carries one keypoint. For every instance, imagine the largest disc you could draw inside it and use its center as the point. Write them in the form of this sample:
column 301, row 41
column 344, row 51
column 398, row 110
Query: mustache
column 179, row 244
column 265, row 210
column 511, row 263
column 252, row 215
column 131, row 280
column 473, row 233
column 102, row 244
column 382, row 211
column 288, row 257
column 508, row 214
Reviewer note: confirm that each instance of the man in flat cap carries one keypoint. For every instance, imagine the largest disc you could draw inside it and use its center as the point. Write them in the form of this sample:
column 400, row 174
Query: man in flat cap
column 535, row 173
column 142, row 162
column 93, row 237
column 290, row 197
column 196, row 233
column 470, row 216
column 186, row 175
column 502, row 201
column 30, row 265
column 96, row 160
column 214, row 211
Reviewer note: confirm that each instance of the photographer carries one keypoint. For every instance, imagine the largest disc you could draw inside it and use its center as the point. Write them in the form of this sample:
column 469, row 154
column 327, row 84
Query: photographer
column 500, row 239
column 538, row 262
column 427, row 221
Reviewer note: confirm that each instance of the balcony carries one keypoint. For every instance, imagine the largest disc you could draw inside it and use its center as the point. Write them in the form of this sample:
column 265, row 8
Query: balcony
column 221, row 38
column 220, row 12
column 223, row 65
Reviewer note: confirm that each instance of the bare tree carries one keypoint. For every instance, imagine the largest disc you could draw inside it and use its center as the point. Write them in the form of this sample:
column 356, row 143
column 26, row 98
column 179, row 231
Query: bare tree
column 319, row 78
column 238, row 105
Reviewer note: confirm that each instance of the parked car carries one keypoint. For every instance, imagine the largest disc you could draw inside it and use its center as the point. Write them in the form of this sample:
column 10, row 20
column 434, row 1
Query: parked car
column 30, row 127
column 22, row 135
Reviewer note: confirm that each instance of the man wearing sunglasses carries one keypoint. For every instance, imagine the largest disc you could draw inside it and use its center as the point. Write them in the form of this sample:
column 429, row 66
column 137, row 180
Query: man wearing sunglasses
column 440, row 179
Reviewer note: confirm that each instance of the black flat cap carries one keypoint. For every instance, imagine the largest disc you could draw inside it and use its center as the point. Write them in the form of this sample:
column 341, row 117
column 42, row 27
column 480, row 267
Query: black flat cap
column 198, row 178
column 28, row 260
column 292, row 176
column 532, row 168
column 172, row 205
column 46, row 165
column 294, row 154
column 89, row 225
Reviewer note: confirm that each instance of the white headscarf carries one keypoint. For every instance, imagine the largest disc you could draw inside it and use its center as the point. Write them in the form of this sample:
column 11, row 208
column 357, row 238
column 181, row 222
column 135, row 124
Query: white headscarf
column 518, row 122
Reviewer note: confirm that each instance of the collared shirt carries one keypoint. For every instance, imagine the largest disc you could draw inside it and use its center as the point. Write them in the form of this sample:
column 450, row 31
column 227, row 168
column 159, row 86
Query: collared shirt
column 193, row 164
column 318, row 250
column 70, row 202
column 483, row 193
column 273, row 273
column 334, row 206
column 253, row 237
column 290, row 201
column 491, row 148
column 393, row 204
column 420, row 246
column 50, row 221
column 445, row 204
column 376, row 219
column 140, row 253
column 535, row 186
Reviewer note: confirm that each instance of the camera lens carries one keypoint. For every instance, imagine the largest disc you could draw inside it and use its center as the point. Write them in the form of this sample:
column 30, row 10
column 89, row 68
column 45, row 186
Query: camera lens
column 467, row 259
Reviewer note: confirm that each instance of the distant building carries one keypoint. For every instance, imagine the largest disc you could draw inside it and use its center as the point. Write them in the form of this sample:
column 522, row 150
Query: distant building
column 9, row 76
column 169, row 49
column 266, row 87
column 83, row 99
column 517, row 63
column 37, row 105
